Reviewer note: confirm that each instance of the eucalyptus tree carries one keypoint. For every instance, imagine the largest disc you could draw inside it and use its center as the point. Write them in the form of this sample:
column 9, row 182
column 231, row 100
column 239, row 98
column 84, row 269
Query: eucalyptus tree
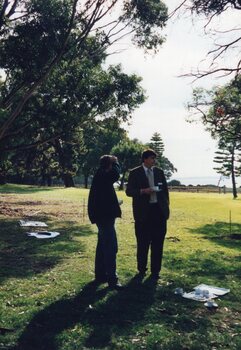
column 37, row 34
column 219, row 109
column 129, row 155
column 99, row 138
column 77, row 95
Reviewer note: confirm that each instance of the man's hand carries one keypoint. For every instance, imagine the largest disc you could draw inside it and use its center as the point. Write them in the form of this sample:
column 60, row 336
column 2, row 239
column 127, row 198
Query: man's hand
column 147, row 190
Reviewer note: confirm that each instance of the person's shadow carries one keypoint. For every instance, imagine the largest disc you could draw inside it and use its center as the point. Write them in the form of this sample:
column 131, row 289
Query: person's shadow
column 114, row 313
column 120, row 312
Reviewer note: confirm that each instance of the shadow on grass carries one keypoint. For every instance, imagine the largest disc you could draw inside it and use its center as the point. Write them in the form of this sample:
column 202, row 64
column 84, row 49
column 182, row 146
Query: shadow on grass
column 22, row 256
column 204, row 264
column 222, row 233
column 19, row 189
column 96, row 316
column 91, row 309
column 72, row 230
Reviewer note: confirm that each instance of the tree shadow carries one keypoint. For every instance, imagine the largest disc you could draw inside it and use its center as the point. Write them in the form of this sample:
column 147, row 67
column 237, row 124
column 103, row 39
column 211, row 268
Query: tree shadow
column 22, row 256
column 222, row 233
column 205, row 265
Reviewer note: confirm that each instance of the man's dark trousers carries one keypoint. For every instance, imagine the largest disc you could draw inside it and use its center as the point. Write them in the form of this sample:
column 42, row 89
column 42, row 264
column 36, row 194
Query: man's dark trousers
column 150, row 233
column 106, row 250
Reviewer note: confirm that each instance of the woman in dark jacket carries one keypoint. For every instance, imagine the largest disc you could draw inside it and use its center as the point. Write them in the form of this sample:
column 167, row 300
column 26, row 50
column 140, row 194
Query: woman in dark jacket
column 103, row 209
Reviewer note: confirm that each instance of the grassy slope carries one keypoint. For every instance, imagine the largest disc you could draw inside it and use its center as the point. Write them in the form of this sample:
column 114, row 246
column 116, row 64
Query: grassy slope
column 49, row 303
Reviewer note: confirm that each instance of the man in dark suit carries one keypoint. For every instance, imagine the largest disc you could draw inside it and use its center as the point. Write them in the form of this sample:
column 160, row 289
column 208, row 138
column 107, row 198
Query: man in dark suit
column 103, row 209
column 148, row 188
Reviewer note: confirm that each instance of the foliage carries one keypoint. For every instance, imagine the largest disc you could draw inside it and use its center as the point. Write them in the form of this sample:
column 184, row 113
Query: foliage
column 144, row 16
column 156, row 143
column 37, row 35
column 226, row 42
column 129, row 156
column 99, row 138
column 175, row 183
column 213, row 6
column 219, row 110
column 229, row 158
column 72, row 103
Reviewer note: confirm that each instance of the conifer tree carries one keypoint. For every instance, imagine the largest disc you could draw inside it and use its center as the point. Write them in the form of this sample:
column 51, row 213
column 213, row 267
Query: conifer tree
column 229, row 159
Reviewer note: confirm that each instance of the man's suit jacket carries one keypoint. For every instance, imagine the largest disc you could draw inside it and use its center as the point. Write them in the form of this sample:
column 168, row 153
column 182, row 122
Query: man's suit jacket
column 138, row 180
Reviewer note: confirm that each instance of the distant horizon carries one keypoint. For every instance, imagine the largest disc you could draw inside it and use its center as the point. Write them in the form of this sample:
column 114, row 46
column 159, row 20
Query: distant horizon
column 206, row 180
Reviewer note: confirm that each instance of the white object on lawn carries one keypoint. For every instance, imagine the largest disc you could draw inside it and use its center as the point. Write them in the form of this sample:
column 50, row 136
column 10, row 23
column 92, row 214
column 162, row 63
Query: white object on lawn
column 26, row 223
column 43, row 234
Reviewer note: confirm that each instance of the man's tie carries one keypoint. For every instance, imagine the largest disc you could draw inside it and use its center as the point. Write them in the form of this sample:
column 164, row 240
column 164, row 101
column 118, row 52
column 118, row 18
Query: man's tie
column 150, row 176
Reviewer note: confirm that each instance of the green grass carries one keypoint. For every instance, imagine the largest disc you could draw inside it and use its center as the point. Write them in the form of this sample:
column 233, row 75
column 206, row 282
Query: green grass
column 49, row 303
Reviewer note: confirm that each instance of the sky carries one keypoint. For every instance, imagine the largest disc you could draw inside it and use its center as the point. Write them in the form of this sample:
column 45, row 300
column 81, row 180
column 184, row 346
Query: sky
column 188, row 146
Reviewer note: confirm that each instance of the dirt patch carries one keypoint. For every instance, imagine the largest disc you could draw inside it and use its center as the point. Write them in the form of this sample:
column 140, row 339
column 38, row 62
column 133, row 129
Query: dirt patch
column 6, row 210
column 31, row 203
column 10, row 211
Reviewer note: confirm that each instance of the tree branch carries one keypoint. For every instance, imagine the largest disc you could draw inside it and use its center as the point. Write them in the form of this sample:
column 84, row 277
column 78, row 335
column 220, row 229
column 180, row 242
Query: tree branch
column 39, row 81
column 32, row 145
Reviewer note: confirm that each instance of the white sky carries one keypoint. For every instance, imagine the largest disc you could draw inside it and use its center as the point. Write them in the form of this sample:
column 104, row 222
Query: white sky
column 187, row 146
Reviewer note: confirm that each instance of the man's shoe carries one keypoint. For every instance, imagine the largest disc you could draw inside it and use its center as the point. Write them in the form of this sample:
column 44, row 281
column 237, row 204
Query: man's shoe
column 140, row 275
column 116, row 286
column 155, row 276
column 100, row 280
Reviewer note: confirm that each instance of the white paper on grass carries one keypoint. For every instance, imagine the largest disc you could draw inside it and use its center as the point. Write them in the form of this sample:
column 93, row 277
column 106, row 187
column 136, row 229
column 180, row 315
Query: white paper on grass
column 43, row 234
column 214, row 292
column 26, row 223
column 193, row 296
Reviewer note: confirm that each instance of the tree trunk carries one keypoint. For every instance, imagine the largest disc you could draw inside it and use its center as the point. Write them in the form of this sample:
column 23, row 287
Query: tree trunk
column 2, row 179
column 86, row 180
column 66, row 177
column 68, row 180
column 42, row 183
column 49, row 180
column 235, row 195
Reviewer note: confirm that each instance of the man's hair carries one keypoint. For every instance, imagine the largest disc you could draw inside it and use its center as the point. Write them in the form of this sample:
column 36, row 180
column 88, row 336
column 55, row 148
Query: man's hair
column 105, row 161
column 148, row 153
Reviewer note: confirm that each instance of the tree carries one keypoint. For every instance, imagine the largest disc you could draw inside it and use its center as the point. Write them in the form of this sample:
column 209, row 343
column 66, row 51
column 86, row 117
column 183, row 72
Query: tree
column 175, row 183
column 99, row 139
column 156, row 143
column 37, row 34
column 229, row 158
column 76, row 95
column 129, row 155
column 219, row 111
column 167, row 167
column 226, row 42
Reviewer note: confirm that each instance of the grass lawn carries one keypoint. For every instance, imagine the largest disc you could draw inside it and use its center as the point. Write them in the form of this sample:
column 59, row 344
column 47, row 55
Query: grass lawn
column 49, row 303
